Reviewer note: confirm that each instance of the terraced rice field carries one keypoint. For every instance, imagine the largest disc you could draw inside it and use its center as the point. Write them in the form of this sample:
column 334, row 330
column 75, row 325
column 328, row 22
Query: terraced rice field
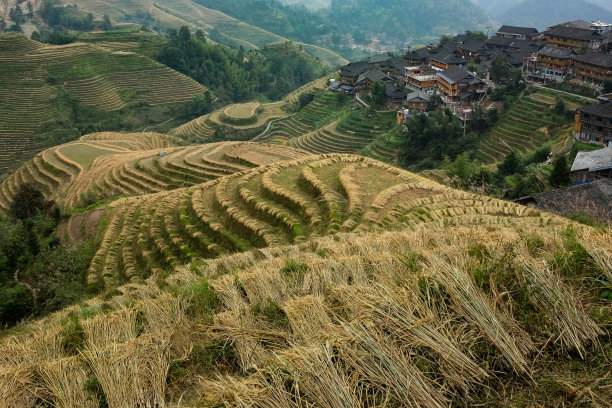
column 348, row 135
column 321, row 111
column 522, row 129
column 238, row 116
column 279, row 203
column 107, row 165
column 97, row 77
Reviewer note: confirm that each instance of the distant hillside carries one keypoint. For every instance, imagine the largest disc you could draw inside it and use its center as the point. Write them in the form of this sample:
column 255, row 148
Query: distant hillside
column 51, row 94
column 544, row 13
column 393, row 22
column 220, row 27
column 311, row 4
column 495, row 8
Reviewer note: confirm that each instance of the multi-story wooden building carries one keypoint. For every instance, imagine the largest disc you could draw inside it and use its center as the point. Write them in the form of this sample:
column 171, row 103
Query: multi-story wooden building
column 443, row 60
column 594, row 123
column 459, row 86
column 554, row 63
column 471, row 50
column 417, row 57
column 418, row 102
column 349, row 73
column 593, row 67
column 420, row 78
column 574, row 38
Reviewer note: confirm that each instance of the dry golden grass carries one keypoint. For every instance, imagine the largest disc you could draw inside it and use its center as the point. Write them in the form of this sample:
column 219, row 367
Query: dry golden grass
column 468, row 301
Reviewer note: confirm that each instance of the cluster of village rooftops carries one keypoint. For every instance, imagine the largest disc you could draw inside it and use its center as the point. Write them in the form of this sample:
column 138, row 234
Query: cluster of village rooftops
column 459, row 70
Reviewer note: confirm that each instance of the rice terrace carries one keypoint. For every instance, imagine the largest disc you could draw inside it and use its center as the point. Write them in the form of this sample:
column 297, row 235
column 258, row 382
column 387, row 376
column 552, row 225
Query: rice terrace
column 203, row 203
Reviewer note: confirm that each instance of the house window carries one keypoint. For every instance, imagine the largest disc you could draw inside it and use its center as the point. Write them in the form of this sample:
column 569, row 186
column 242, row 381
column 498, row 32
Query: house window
column 592, row 137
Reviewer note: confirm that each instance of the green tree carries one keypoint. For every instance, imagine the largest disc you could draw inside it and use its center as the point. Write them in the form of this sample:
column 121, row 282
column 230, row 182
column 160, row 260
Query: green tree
column 35, row 36
column 492, row 115
column 607, row 86
column 199, row 34
column 378, row 93
column 560, row 107
column 184, row 33
column 499, row 68
column 512, row 164
column 106, row 23
column 560, row 175
column 27, row 202
column 479, row 118
column 16, row 303
column 471, row 66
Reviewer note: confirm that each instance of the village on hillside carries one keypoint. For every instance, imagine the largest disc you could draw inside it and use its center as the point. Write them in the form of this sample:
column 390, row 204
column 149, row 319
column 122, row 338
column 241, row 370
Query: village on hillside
column 459, row 73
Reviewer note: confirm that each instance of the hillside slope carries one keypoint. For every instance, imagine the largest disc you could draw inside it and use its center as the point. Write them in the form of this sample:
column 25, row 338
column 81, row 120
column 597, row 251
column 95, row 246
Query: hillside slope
column 275, row 204
column 469, row 301
column 35, row 77
column 219, row 26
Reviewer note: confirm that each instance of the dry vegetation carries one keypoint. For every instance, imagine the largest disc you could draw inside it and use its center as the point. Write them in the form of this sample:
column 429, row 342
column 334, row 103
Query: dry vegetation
column 485, row 315
column 257, row 275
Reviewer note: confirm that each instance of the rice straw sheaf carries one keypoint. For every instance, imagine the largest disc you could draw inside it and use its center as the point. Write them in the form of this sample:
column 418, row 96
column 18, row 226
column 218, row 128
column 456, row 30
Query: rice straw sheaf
column 374, row 357
column 264, row 283
column 17, row 387
column 265, row 389
column 412, row 324
column 164, row 314
column 549, row 295
column 474, row 305
column 308, row 318
column 316, row 372
column 132, row 374
column 64, row 382
column 251, row 338
column 105, row 330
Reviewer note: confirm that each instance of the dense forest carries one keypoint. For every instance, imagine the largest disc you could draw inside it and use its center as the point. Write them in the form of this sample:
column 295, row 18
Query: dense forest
column 236, row 75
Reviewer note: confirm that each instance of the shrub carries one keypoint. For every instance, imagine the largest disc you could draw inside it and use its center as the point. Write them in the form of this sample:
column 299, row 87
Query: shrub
column 16, row 303
column 27, row 202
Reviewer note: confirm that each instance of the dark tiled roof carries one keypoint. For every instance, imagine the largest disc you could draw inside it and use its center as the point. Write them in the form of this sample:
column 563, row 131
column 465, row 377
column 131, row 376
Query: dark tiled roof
column 506, row 29
column 455, row 75
column 603, row 109
column 595, row 58
column 421, row 53
column 418, row 96
column 395, row 62
column 556, row 52
column 574, row 24
column 448, row 57
column 574, row 33
column 593, row 199
column 373, row 75
column 355, row 68
column 472, row 45
column 375, row 59
column 393, row 91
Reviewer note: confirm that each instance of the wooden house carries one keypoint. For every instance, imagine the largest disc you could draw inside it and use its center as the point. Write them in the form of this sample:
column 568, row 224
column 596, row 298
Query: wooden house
column 554, row 63
column 594, row 123
column 574, row 38
column 420, row 78
column 459, row 86
column 593, row 67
